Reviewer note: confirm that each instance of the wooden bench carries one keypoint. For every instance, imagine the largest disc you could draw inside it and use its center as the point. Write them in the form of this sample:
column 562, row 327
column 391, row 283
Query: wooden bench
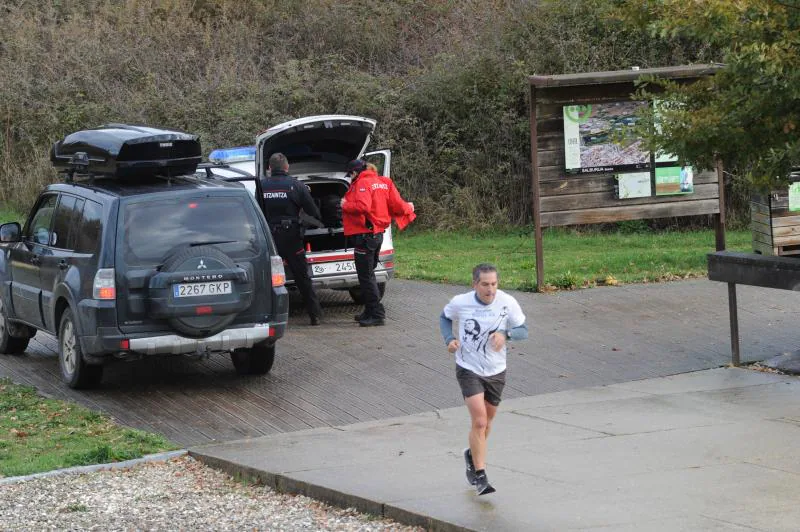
column 751, row 269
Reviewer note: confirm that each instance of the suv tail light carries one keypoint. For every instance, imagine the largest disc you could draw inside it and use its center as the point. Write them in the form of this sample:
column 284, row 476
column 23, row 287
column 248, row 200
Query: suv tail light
column 104, row 285
column 278, row 273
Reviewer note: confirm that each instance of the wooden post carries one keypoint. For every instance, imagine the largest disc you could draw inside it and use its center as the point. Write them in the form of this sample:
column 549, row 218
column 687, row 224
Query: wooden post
column 734, row 314
column 719, row 219
column 536, row 207
column 733, row 311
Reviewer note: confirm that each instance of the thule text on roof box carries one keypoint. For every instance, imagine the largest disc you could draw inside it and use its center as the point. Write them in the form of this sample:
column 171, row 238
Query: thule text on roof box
column 121, row 150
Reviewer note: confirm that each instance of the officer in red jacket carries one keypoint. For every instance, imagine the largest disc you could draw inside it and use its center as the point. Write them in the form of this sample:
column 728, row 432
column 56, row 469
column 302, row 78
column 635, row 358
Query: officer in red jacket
column 367, row 210
column 366, row 239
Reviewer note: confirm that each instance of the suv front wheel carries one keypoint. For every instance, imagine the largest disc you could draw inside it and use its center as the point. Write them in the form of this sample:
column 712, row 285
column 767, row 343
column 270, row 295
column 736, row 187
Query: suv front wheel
column 256, row 360
column 74, row 370
column 10, row 345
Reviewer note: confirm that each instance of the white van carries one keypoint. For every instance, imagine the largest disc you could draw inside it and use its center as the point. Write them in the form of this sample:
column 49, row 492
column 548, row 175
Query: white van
column 318, row 148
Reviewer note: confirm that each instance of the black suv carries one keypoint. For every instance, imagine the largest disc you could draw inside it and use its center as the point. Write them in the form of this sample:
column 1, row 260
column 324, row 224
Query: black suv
column 136, row 255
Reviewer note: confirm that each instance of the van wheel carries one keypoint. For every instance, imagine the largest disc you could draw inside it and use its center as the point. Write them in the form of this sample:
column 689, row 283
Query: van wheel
column 256, row 360
column 355, row 293
column 10, row 345
column 75, row 372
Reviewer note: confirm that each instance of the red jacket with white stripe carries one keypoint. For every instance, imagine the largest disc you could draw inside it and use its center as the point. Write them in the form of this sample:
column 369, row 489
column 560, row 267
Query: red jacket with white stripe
column 357, row 205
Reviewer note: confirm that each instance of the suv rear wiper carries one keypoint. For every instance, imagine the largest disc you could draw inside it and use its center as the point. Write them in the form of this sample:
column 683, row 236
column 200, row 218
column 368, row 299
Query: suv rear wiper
column 210, row 242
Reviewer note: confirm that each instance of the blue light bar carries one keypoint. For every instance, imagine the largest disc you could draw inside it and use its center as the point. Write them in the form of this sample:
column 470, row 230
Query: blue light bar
column 232, row 155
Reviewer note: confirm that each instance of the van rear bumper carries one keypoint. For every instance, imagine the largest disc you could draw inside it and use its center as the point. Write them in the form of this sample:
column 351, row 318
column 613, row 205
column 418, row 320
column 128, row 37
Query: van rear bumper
column 348, row 280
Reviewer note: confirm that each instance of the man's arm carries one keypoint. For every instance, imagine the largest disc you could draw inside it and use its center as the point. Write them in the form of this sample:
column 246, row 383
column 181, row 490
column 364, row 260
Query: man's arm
column 518, row 328
column 360, row 202
column 446, row 327
column 518, row 333
column 397, row 205
column 307, row 202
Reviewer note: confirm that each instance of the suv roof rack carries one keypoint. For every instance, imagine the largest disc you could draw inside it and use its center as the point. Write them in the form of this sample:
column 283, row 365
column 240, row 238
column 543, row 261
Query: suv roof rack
column 240, row 174
column 122, row 150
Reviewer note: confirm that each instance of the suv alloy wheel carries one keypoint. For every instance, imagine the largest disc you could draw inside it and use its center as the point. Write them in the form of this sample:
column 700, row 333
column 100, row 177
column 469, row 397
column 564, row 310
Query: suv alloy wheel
column 74, row 370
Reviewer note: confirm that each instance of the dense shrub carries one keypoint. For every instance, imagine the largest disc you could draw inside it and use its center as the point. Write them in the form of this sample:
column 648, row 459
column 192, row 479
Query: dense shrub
column 447, row 81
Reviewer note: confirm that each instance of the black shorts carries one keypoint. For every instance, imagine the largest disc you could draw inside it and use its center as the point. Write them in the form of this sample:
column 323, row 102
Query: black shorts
column 472, row 383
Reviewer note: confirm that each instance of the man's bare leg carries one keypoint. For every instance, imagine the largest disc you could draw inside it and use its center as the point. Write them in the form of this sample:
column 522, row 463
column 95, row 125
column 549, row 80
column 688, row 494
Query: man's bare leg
column 479, row 429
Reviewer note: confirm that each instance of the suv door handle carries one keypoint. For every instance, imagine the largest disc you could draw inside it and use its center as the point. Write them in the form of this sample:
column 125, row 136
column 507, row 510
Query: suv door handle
column 62, row 264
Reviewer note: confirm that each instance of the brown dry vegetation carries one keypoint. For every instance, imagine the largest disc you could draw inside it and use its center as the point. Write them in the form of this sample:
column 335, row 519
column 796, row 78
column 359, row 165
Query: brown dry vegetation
column 446, row 80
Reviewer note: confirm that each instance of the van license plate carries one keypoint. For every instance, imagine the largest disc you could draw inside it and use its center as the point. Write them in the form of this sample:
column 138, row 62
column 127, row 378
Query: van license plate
column 202, row 289
column 344, row 266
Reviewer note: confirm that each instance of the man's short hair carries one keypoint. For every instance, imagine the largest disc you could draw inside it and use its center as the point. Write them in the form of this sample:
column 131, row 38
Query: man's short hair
column 483, row 267
column 278, row 161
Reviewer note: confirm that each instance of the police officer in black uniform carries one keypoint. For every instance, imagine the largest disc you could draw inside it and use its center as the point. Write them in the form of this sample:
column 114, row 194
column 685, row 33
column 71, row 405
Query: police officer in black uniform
column 284, row 198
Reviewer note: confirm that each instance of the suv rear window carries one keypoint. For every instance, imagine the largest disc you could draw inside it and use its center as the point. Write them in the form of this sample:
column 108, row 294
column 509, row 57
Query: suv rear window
column 154, row 229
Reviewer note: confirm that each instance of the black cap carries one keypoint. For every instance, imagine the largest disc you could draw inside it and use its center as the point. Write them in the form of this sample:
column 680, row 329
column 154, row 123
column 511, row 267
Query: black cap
column 356, row 165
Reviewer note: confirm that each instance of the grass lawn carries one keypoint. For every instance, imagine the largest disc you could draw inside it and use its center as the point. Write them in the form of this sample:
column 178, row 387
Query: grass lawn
column 8, row 215
column 38, row 434
column 571, row 259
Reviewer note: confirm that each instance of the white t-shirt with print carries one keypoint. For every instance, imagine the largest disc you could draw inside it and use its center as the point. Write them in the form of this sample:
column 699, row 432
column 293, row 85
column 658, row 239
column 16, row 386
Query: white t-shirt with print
column 476, row 322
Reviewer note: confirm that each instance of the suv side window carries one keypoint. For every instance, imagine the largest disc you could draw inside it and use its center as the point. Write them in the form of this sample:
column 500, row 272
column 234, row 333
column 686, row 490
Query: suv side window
column 63, row 222
column 89, row 228
column 39, row 228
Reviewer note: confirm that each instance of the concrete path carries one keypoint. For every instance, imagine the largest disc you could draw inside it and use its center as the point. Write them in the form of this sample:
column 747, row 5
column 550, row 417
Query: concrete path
column 709, row 450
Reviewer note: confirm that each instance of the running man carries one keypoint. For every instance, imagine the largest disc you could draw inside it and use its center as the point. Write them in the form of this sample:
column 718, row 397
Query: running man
column 487, row 318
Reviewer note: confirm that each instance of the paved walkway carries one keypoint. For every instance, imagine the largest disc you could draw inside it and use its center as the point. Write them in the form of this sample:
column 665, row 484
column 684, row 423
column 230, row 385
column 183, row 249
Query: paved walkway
column 711, row 450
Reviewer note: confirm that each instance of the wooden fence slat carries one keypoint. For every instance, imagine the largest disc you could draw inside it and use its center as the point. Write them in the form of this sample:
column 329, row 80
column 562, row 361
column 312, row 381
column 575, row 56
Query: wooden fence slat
column 786, row 221
column 786, row 231
column 552, row 157
column 552, row 177
column 759, row 208
column 597, row 200
column 630, row 212
column 761, row 219
column 578, row 185
column 763, row 238
column 558, row 174
column 550, row 98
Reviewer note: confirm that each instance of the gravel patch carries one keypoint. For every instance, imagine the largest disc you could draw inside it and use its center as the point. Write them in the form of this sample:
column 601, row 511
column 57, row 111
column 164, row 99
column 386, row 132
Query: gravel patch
column 179, row 494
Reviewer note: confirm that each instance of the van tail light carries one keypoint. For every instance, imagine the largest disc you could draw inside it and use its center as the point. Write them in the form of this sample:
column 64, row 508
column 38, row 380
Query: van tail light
column 278, row 273
column 104, row 286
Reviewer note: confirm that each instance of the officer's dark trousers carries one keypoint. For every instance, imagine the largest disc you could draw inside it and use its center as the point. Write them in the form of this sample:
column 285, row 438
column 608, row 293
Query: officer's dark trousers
column 366, row 249
column 289, row 242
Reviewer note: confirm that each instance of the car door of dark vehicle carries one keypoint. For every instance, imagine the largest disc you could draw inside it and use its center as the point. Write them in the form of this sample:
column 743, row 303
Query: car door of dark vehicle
column 56, row 259
column 25, row 259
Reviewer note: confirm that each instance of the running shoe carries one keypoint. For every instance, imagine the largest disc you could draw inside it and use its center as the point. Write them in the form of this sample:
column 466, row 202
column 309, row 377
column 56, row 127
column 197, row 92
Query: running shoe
column 470, row 466
column 482, row 485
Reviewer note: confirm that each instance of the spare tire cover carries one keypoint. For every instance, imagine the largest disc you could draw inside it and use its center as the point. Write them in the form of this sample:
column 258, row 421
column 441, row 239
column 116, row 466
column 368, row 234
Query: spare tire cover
column 203, row 260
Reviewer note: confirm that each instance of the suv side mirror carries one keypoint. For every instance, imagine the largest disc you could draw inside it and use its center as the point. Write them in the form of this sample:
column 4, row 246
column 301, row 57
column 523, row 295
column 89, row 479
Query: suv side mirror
column 10, row 232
